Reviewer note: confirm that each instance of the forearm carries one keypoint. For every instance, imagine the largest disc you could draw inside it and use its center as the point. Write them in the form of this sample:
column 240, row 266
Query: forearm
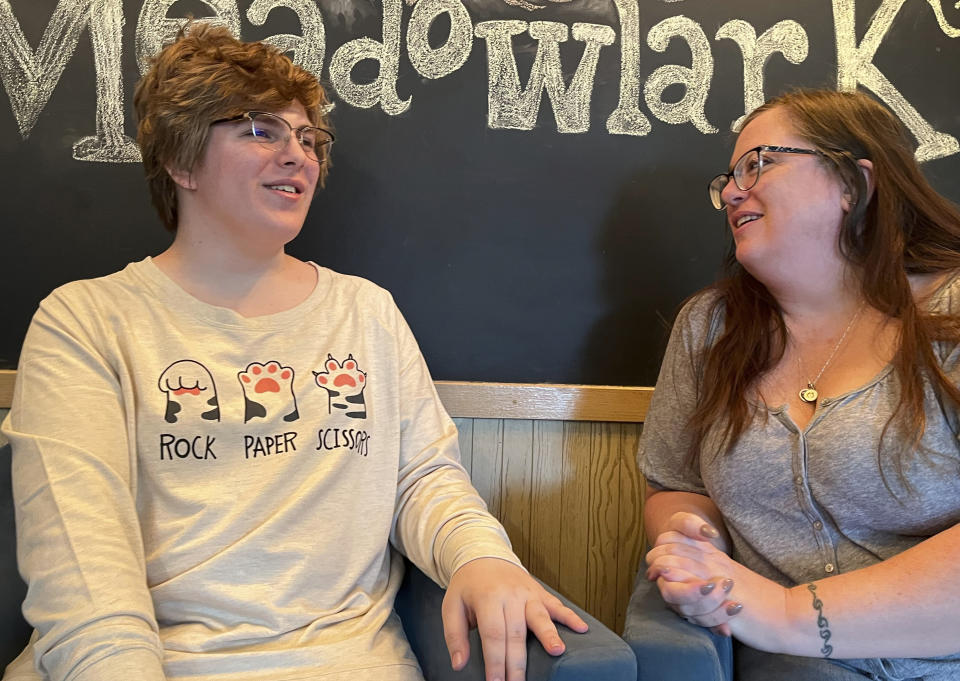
column 441, row 522
column 906, row 606
column 81, row 553
column 112, row 652
column 661, row 505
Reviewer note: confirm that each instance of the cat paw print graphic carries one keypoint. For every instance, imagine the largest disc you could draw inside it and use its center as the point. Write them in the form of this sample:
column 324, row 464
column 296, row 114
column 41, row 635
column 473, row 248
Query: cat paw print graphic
column 268, row 392
column 344, row 383
column 190, row 391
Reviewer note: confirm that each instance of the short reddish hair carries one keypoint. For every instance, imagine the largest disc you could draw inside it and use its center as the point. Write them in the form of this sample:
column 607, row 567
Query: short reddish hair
column 205, row 75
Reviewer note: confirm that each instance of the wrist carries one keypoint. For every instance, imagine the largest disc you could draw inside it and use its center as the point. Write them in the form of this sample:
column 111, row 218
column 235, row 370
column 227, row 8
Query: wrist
column 802, row 634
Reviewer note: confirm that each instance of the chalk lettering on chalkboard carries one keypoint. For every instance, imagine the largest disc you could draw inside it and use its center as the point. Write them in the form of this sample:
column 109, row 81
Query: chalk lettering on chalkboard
column 383, row 90
column 510, row 105
column 627, row 119
column 306, row 50
column 786, row 37
column 155, row 28
column 525, row 5
column 30, row 76
column 695, row 79
column 949, row 30
column 444, row 60
column 590, row 6
column 855, row 67
column 109, row 145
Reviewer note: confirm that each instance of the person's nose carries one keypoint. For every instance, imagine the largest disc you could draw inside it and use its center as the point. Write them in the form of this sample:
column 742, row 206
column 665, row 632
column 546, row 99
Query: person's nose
column 292, row 152
column 732, row 195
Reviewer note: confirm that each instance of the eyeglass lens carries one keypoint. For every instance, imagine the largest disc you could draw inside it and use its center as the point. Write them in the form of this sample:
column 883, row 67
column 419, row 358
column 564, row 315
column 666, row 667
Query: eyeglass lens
column 745, row 175
column 275, row 132
column 747, row 171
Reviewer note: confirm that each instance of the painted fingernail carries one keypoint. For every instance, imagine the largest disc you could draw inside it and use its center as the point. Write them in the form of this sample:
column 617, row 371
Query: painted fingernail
column 727, row 585
column 734, row 609
column 709, row 531
column 708, row 587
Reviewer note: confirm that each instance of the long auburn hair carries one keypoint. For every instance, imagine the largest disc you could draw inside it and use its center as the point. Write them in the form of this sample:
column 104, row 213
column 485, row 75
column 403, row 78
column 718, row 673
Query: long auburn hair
column 904, row 227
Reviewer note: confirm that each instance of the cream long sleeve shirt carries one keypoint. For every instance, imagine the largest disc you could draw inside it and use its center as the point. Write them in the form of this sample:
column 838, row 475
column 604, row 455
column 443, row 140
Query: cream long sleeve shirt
column 202, row 496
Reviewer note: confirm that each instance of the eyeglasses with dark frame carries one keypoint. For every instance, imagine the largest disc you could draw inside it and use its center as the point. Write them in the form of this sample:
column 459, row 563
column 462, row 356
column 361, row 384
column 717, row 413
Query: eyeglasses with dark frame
column 746, row 171
column 274, row 132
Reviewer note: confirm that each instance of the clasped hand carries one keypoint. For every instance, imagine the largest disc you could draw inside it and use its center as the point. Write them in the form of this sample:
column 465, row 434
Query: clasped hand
column 502, row 601
column 695, row 578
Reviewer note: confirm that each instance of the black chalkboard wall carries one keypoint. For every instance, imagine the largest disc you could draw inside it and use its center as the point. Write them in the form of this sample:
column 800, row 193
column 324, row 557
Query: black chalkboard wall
column 517, row 250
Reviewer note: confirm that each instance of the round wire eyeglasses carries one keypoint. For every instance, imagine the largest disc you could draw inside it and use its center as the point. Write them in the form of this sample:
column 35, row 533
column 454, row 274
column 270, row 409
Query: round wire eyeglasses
column 275, row 131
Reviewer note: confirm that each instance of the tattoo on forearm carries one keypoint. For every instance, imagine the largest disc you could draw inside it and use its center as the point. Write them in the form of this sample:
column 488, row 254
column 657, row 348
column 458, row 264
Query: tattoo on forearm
column 821, row 622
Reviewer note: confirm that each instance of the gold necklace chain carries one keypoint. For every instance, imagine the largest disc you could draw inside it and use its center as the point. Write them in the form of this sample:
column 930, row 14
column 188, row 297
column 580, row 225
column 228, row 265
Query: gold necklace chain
column 810, row 394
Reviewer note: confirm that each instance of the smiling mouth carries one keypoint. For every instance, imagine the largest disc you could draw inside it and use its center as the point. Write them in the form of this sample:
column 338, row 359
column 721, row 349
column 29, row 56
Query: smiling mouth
column 286, row 188
column 747, row 218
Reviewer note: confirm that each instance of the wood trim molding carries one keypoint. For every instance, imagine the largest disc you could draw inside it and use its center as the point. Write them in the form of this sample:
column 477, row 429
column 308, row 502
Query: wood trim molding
column 6, row 387
column 538, row 401
column 545, row 401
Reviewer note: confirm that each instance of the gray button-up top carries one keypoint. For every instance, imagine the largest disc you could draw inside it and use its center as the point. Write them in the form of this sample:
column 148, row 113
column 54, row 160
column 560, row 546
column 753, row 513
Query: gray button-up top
column 802, row 505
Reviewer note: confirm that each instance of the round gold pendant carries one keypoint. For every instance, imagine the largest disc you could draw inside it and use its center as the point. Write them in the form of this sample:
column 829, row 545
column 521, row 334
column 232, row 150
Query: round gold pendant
column 809, row 395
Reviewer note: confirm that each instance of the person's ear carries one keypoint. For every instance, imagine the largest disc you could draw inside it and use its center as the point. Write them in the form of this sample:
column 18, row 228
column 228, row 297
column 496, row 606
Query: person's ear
column 182, row 178
column 866, row 169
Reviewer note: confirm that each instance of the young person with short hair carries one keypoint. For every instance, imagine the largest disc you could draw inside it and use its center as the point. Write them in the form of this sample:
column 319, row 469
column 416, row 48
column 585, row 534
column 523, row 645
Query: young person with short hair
column 221, row 452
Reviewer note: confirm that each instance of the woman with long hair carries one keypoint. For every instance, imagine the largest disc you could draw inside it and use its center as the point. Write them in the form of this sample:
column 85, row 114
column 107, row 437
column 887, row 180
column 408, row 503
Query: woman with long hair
column 801, row 450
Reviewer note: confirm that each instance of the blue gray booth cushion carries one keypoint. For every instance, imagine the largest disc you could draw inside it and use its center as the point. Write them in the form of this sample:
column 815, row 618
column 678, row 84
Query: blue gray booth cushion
column 669, row 647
